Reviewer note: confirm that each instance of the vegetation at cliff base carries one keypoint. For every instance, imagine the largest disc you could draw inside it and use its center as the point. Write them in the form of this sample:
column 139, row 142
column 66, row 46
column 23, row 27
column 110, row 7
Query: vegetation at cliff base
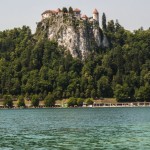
column 41, row 70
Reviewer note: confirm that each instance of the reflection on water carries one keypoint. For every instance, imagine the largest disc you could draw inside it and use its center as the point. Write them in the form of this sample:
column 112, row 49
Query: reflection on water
column 88, row 128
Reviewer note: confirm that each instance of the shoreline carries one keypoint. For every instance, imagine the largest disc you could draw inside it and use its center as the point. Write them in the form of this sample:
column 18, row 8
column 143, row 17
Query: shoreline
column 133, row 106
column 106, row 103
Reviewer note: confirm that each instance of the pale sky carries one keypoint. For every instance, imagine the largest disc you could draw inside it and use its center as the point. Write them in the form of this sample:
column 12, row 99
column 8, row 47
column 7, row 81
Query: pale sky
column 132, row 14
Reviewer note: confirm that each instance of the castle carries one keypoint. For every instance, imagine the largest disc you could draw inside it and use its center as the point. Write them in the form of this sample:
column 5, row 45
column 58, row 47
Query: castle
column 77, row 33
column 76, row 13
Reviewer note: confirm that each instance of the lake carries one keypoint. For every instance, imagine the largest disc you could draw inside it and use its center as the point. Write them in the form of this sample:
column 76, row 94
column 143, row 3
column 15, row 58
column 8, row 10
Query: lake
column 75, row 129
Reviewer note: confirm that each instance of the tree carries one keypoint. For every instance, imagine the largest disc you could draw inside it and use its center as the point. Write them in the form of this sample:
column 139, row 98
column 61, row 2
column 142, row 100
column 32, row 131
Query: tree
column 72, row 102
column 117, row 25
column 71, row 10
column 111, row 26
column 104, row 26
column 21, row 102
column 122, row 92
column 8, row 102
column 87, row 93
column 49, row 100
column 143, row 93
column 65, row 10
column 93, row 93
column 80, row 101
column 35, row 100
column 77, row 93
column 104, row 87
column 89, row 101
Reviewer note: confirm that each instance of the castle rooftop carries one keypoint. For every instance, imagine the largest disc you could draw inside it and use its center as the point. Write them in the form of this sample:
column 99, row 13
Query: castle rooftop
column 76, row 13
column 51, row 11
column 95, row 11
column 77, row 10
column 84, row 16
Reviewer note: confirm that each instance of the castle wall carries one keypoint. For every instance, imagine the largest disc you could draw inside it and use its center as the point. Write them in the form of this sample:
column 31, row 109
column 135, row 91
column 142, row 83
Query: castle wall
column 96, row 17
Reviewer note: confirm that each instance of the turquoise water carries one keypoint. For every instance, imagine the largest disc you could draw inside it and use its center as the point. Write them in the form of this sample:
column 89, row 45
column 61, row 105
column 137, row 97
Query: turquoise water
column 75, row 129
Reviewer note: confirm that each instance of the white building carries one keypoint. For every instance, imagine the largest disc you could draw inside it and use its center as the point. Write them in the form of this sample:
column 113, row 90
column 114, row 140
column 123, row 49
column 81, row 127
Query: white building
column 49, row 13
column 96, row 15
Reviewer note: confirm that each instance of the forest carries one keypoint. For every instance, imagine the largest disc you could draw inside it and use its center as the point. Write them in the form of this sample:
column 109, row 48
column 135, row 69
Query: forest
column 32, row 67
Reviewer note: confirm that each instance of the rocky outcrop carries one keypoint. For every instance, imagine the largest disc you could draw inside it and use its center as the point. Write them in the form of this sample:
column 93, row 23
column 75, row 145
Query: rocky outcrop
column 76, row 35
column 105, row 42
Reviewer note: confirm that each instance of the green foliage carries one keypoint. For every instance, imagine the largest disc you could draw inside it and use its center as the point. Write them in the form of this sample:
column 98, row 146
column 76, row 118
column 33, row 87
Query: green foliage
column 35, row 100
column 121, row 92
column 49, row 100
column 111, row 26
column 21, row 102
column 31, row 66
column 65, row 10
column 8, row 102
column 143, row 93
column 104, row 26
column 89, row 101
column 80, row 101
column 71, row 10
column 103, row 87
column 72, row 102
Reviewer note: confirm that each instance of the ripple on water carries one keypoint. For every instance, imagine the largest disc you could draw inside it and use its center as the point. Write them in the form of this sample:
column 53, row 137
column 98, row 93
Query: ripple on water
column 113, row 128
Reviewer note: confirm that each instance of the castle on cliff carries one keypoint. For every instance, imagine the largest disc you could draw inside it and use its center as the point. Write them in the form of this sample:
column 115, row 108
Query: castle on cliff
column 76, row 13
column 77, row 33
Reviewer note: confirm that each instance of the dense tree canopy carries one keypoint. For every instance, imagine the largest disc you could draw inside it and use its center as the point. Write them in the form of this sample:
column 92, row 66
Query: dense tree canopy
column 39, row 67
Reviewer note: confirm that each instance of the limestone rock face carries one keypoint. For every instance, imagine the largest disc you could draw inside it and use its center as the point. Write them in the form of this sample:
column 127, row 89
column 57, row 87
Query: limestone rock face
column 105, row 42
column 97, row 36
column 78, row 36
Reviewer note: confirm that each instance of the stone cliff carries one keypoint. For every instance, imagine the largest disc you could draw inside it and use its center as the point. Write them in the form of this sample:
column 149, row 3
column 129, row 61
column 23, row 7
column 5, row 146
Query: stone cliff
column 79, row 35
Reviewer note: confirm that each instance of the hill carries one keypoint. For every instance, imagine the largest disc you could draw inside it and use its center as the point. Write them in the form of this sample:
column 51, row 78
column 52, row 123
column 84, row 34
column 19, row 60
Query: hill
column 33, row 64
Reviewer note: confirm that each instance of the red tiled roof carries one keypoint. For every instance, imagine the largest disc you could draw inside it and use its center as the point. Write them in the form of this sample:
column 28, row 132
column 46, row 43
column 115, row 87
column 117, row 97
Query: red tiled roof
column 51, row 11
column 54, row 11
column 85, row 16
column 47, row 11
column 95, row 11
column 77, row 10
column 58, row 10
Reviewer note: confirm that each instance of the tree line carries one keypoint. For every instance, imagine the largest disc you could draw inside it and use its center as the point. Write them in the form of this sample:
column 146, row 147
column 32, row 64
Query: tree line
column 49, row 101
column 38, row 67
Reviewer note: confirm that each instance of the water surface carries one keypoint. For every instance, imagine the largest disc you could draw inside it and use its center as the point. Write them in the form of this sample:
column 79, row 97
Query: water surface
column 75, row 129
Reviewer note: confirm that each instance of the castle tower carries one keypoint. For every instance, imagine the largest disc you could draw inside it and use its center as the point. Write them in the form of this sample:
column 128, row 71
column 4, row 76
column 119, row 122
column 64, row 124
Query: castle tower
column 84, row 17
column 77, row 12
column 96, row 15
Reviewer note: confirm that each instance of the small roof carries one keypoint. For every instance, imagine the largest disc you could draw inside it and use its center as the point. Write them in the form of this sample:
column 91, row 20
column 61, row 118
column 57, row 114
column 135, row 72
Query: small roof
column 77, row 10
column 95, row 11
column 85, row 16
column 51, row 11
column 58, row 10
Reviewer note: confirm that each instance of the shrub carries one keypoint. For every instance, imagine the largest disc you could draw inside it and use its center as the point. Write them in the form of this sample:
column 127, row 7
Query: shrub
column 80, row 102
column 8, row 102
column 35, row 100
column 72, row 102
column 21, row 102
column 89, row 101
column 49, row 100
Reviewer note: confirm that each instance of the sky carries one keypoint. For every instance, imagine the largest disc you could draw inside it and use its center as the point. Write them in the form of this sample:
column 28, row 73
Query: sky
column 132, row 14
